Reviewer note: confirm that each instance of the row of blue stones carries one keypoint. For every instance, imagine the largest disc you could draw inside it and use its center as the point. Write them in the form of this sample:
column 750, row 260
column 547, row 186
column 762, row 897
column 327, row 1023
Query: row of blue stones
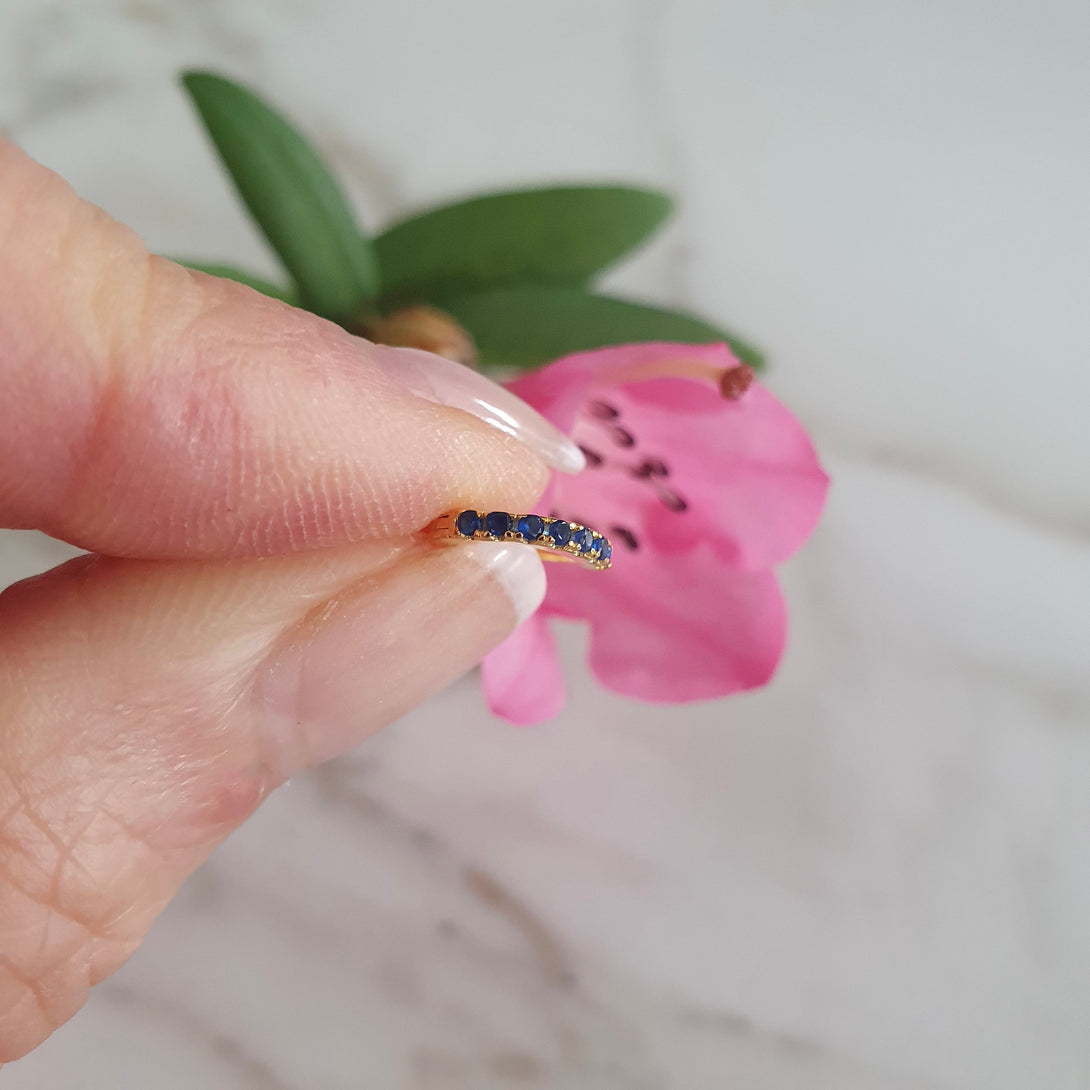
column 533, row 528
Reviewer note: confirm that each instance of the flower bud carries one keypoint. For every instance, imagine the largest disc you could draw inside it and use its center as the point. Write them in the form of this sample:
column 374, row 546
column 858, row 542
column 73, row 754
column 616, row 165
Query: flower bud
column 421, row 327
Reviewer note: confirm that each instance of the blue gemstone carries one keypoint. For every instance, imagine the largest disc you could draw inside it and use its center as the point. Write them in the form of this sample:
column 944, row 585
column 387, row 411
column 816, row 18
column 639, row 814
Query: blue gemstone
column 605, row 550
column 531, row 527
column 560, row 532
column 497, row 523
column 583, row 538
column 468, row 523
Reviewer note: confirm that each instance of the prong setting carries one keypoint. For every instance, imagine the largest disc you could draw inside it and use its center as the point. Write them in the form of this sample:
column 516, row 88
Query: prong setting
column 557, row 538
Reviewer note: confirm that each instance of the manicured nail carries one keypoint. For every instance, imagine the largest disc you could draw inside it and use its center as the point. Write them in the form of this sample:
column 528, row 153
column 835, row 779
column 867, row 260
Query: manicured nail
column 449, row 383
column 517, row 569
column 379, row 649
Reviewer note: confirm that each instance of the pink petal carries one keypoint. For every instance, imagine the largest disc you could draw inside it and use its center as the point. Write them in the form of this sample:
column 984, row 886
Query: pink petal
column 674, row 630
column 746, row 469
column 522, row 678
column 559, row 390
column 690, row 610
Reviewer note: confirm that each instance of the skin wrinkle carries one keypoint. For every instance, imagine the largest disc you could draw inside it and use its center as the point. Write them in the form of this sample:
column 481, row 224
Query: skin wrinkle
column 93, row 928
column 107, row 360
column 326, row 505
column 189, row 505
column 243, row 474
column 65, row 858
column 58, row 988
column 64, row 850
column 41, row 757
column 31, row 986
column 389, row 499
column 47, row 928
column 160, row 852
column 36, row 898
column 19, row 491
column 110, row 403
column 98, row 426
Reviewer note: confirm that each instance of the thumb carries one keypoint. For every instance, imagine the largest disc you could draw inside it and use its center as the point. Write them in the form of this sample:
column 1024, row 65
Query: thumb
column 149, row 706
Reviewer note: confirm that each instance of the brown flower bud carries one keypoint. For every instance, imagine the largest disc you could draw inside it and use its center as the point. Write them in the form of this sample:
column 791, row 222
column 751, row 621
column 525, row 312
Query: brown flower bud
column 421, row 327
column 735, row 382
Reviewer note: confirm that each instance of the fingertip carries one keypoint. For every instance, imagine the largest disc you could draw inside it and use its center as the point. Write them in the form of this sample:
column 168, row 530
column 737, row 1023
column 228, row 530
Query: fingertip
column 516, row 569
column 381, row 648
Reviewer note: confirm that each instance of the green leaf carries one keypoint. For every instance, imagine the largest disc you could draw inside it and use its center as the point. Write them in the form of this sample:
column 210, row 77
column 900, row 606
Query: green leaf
column 527, row 326
column 548, row 236
column 229, row 272
column 291, row 195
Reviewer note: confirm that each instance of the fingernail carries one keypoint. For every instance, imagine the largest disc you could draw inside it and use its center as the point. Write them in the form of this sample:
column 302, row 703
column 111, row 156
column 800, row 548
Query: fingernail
column 449, row 383
column 517, row 569
column 376, row 651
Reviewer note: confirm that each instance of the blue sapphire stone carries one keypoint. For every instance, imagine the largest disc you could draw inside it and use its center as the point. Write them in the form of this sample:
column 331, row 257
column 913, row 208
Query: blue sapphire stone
column 497, row 523
column 531, row 527
column 468, row 523
column 583, row 538
column 605, row 550
column 560, row 532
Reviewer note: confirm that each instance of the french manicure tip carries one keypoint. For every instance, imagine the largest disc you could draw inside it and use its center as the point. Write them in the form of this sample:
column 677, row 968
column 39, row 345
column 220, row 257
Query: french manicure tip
column 570, row 459
column 517, row 569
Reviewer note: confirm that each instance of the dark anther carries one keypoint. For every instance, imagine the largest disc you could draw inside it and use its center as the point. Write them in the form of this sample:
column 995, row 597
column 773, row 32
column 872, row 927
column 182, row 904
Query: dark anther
column 735, row 382
column 603, row 411
column 623, row 534
column 673, row 501
column 594, row 460
column 623, row 438
column 651, row 467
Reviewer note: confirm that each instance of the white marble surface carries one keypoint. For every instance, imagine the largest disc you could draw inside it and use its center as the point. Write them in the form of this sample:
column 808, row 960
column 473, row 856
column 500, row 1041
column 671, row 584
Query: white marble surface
column 874, row 875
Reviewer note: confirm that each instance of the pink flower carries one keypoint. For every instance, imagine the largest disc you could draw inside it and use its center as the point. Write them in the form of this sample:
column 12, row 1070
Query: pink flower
column 704, row 483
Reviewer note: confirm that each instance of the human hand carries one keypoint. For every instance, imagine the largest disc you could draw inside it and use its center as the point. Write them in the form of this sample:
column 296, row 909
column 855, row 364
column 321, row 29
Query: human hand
column 252, row 478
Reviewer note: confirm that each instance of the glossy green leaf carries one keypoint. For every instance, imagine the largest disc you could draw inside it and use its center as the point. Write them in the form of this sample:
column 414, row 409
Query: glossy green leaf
column 291, row 195
column 547, row 236
column 229, row 272
column 527, row 326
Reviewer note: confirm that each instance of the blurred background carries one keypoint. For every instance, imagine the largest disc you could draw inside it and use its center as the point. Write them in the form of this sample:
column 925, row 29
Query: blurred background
column 874, row 874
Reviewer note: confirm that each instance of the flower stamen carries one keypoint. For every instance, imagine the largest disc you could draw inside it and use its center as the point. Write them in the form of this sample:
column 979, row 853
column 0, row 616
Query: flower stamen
column 735, row 382
column 650, row 467
column 732, row 383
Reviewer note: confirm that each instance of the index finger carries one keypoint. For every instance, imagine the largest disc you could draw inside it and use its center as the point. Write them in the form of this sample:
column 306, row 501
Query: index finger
column 151, row 411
